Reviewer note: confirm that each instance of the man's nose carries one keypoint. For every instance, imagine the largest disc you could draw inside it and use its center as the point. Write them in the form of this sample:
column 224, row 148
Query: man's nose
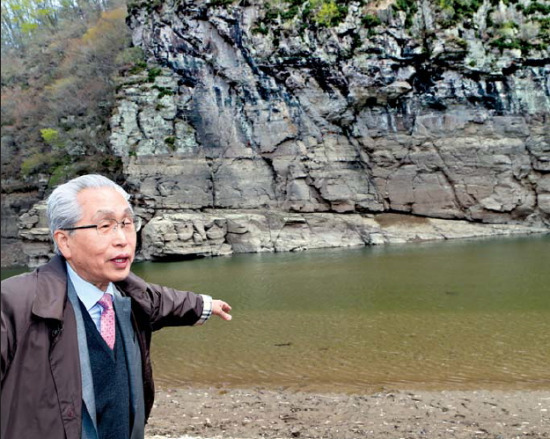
column 120, row 237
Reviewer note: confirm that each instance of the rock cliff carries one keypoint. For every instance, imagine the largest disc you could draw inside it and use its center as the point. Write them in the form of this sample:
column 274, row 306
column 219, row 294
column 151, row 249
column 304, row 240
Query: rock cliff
column 300, row 124
column 390, row 109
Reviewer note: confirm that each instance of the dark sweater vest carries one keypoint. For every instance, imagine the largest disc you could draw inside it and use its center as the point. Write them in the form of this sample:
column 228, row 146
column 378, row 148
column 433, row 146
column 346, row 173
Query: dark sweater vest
column 111, row 385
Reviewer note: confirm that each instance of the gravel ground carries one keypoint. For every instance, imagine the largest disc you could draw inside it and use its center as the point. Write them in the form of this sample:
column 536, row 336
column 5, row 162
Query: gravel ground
column 256, row 413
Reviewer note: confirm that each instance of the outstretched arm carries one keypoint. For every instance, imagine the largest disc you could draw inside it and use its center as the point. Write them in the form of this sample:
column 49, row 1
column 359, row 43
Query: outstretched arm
column 165, row 306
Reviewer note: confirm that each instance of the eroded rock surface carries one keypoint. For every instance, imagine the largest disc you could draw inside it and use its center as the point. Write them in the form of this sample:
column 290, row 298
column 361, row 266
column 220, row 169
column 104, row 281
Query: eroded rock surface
column 424, row 120
column 299, row 135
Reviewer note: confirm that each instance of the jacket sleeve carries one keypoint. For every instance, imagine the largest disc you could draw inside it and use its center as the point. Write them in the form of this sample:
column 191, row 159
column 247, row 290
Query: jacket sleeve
column 6, row 344
column 165, row 306
column 7, row 330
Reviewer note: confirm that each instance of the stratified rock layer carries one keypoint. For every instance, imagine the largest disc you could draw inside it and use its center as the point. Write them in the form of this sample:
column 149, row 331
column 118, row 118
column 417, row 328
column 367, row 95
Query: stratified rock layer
column 255, row 131
column 170, row 235
column 426, row 121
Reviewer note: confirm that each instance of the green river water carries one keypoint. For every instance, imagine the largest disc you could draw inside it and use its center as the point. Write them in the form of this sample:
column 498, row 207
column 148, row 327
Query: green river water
column 447, row 315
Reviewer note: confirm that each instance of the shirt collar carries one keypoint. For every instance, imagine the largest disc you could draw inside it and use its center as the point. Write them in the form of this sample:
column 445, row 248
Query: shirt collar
column 88, row 294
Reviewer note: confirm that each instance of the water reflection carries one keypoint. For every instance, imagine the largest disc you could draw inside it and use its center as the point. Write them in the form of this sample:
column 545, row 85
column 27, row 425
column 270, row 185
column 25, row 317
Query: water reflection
column 446, row 315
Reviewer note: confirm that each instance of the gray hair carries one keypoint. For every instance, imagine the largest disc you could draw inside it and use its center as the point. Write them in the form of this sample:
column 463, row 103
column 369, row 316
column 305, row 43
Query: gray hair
column 64, row 209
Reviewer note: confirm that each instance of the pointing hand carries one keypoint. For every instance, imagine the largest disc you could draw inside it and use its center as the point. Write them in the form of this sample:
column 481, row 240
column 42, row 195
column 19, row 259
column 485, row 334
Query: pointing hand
column 221, row 309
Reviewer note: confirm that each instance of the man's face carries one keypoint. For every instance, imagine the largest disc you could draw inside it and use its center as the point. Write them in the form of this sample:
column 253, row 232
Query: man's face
column 99, row 259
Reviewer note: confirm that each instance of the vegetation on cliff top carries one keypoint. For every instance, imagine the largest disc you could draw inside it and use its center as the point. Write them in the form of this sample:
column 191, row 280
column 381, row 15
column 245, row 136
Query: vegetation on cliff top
column 503, row 24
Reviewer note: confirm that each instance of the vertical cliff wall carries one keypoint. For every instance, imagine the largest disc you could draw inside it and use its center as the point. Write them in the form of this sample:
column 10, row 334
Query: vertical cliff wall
column 425, row 120
column 386, row 108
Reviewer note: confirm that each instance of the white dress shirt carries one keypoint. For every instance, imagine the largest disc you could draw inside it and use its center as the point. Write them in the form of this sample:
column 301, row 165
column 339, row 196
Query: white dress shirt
column 89, row 295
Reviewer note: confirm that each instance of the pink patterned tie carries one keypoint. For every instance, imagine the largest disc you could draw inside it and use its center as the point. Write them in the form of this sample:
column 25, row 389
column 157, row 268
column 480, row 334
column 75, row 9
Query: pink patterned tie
column 107, row 320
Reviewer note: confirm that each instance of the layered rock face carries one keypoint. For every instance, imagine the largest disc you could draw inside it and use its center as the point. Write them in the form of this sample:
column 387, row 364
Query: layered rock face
column 272, row 127
column 329, row 123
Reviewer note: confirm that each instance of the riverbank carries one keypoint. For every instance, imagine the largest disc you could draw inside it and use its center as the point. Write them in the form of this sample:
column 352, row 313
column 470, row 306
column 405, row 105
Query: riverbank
column 258, row 413
column 224, row 232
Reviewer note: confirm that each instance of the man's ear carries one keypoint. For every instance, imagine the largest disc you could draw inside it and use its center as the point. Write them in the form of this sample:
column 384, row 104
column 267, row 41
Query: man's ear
column 61, row 238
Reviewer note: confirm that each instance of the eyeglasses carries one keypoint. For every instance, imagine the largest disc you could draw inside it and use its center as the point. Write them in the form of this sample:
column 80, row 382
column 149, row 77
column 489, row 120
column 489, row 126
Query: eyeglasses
column 108, row 226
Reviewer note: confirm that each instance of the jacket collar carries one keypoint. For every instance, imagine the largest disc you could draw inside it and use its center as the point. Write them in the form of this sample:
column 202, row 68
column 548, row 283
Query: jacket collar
column 51, row 287
column 51, row 280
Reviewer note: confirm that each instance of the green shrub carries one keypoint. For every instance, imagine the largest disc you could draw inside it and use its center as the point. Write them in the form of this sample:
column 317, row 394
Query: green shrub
column 538, row 7
column 462, row 43
column 330, row 14
column 35, row 163
column 163, row 91
column 132, row 58
column 509, row 25
column 457, row 11
column 148, row 4
column 170, row 142
column 544, row 24
column 506, row 43
column 410, row 7
column 59, row 175
column 290, row 14
column 370, row 20
column 50, row 136
column 260, row 29
column 271, row 15
column 153, row 73
column 403, row 5
column 220, row 2
column 138, row 67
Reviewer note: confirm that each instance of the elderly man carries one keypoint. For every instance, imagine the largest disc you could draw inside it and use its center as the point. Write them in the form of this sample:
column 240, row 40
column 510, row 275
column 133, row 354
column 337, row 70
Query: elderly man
column 76, row 332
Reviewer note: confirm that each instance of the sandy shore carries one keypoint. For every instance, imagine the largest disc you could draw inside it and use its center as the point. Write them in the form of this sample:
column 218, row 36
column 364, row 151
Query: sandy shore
column 256, row 413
